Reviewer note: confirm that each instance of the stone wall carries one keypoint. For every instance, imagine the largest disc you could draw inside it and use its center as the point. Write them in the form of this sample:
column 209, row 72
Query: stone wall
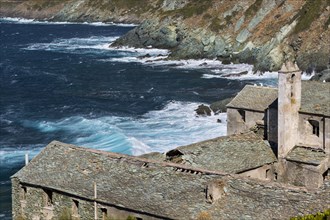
column 272, row 128
column 327, row 136
column 239, row 121
column 299, row 174
column 32, row 202
column 289, row 101
column 265, row 172
column 307, row 135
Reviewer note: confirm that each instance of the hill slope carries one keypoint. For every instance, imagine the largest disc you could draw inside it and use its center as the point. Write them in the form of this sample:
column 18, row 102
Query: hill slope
column 261, row 32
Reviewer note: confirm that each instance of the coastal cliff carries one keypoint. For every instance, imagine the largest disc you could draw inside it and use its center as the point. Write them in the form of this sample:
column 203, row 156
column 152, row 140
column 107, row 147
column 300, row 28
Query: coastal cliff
column 264, row 33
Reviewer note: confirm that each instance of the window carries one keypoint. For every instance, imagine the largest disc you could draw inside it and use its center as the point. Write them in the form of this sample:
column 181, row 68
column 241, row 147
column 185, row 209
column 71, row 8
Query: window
column 292, row 78
column 291, row 81
column 48, row 198
column 104, row 213
column 268, row 174
column 315, row 127
column 242, row 113
column 325, row 174
column 75, row 208
column 23, row 192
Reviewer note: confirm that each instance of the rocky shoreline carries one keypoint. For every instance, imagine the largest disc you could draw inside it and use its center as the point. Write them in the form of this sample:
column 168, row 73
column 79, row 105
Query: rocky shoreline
column 264, row 33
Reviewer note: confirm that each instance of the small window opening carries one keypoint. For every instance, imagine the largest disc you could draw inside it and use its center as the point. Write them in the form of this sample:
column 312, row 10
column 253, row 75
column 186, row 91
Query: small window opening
column 104, row 213
column 174, row 156
column 267, row 173
column 325, row 174
column 291, row 81
column 242, row 113
column 275, row 176
column 75, row 208
column 293, row 76
column 23, row 192
column 48, row 197
column 315, row 127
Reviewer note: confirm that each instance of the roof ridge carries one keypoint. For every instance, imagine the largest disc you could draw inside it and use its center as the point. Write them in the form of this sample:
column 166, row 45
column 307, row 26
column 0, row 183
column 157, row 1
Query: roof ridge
column 113, row 155
column 261, row 87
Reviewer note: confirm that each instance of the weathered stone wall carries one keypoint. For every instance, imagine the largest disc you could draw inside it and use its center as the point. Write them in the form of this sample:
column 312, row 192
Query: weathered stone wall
column 236, row 124
column 306, row 136
column 31, row 203
column 300, row 174
column 265, row 172
column 289, row 99
column 272, row 128
column 327, row 136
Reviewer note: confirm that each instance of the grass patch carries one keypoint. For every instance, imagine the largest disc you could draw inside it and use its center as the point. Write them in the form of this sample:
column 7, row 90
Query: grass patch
column 327, row 23
column 39, row 5
column 216, row 25
column 307, row 14
column 252, row 10
column 196, row 7
column 318, row 216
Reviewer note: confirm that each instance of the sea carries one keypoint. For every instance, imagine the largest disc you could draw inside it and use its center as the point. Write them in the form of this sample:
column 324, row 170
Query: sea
column 63, row 81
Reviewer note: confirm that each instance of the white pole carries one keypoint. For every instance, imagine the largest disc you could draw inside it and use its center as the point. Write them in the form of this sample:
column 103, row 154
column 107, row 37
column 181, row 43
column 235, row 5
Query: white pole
column 26, row 159
column 95, row 205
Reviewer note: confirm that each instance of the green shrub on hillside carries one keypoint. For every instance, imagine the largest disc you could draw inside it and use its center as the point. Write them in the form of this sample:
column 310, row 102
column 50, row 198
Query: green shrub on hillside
column 318, row 216
column 307, row 14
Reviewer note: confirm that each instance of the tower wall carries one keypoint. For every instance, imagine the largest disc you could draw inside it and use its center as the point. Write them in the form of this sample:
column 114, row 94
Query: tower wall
column 289, row 100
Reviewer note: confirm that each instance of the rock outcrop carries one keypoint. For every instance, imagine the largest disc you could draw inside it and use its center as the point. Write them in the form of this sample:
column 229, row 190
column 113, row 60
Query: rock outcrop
column 260, row 32
column 323, row 76
column 263, row 33
column 203, row 110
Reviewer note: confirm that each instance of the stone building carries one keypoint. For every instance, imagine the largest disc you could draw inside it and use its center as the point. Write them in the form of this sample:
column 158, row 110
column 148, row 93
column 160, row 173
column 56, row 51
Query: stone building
column 59, row 184
column 279, row 172
column 244, row 154
column 295, row 119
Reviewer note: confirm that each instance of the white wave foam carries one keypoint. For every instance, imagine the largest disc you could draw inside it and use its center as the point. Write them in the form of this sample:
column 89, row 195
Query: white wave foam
column 307, row 76
column 99, row 44
column 177, row 125
column 94, row 42
column 12, row 155
column 33, row 21
column 160, row 130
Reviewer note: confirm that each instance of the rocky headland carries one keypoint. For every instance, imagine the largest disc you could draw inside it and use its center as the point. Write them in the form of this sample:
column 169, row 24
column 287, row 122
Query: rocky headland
column 264, row 33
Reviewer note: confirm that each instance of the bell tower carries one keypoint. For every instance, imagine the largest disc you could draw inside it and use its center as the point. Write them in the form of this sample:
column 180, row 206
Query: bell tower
column 289, row 100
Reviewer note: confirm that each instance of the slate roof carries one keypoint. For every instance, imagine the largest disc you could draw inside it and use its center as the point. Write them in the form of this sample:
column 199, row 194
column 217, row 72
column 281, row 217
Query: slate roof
column 164, row 189
column 231, row 154
column 122, row 180
column 315, row 98
column 307, row 155
column 254, row 98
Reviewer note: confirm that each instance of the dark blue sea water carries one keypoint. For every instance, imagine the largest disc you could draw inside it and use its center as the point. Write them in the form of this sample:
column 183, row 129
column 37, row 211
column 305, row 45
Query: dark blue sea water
column 63, row 82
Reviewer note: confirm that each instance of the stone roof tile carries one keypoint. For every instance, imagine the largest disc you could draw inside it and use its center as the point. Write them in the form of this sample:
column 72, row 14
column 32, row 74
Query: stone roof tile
column 315, row 98
column 254, row 98
column 161, row 190
column 307, row 155
column 230, row 154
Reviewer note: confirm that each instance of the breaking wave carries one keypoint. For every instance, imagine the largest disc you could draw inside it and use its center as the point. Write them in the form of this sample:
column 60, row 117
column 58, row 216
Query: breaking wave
column 33, row 21
column 159, row 130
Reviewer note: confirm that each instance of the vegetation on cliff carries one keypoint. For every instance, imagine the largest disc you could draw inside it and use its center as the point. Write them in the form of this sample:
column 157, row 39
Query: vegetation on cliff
column 318, row 216
column 261, row 32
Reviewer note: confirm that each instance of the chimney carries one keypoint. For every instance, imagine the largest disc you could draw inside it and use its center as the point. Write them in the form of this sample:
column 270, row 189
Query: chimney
column 289, row 100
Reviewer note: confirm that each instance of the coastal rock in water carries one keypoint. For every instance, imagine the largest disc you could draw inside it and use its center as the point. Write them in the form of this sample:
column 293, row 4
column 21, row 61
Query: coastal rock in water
column 264, row 33
column 322, row 76
column 220, row 106
column 203, row 110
